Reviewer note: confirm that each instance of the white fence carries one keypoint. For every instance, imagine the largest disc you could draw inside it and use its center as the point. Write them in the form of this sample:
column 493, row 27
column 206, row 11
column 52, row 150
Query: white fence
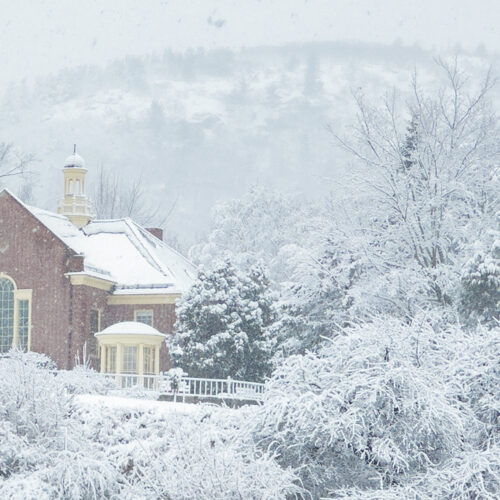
column 190, row 387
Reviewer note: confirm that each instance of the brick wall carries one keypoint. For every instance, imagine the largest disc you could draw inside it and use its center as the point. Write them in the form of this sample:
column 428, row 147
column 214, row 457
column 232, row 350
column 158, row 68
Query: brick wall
column 84, row 299
column 36, row 259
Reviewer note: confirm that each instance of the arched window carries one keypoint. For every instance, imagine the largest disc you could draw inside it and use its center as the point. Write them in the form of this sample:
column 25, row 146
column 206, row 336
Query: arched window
column 6, row 314
column 15, row 312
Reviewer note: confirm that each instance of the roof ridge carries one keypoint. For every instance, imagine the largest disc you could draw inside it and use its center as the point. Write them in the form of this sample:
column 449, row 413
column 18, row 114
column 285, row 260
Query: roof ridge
column 163, row 243
column 149, row 255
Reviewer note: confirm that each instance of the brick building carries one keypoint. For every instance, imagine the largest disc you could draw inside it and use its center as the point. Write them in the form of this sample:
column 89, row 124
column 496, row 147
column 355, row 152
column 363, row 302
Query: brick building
column 65, row 277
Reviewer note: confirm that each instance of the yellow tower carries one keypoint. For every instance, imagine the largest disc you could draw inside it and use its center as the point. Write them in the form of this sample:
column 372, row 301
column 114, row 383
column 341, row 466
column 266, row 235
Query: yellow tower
column 75, row 205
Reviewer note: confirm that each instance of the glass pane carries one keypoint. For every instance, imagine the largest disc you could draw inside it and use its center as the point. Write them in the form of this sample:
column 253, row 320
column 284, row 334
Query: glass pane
column 129, row 359
column 23, row 323
column 6, row 314
column 148, row 361
column 111, row 362
column 94, row 321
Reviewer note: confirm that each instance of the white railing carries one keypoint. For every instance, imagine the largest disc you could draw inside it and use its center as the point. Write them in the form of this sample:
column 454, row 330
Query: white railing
column 212, row 388
column 190, row 387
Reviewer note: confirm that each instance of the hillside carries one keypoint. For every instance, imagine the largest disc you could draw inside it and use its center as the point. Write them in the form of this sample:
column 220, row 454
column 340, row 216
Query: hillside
column 205, row 125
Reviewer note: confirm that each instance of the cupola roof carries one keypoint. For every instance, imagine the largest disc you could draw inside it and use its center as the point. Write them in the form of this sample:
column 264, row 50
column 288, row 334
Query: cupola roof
column 130, row 328
column 74, row 161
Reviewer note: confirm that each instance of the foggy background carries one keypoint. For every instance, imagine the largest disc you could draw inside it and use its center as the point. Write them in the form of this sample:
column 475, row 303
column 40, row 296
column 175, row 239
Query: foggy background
column 200, row 100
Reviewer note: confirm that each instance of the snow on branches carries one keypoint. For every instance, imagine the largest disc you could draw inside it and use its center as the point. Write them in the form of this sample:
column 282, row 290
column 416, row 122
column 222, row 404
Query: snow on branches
column 221, row 325
column 383, row 406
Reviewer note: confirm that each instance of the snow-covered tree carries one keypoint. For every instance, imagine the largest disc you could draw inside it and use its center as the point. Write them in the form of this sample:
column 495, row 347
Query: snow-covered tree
column 317, row 300
column 480, row 297
column 257, row 228
column 387, row 406
column 429, row 165
column 221, row 323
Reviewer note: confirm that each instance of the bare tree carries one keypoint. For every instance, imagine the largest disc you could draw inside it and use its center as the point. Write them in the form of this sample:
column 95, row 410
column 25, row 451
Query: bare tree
column 113, row 198
column 12, row 162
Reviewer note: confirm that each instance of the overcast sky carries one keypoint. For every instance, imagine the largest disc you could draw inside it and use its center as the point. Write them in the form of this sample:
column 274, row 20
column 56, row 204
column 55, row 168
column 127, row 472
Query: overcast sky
column 40, row 36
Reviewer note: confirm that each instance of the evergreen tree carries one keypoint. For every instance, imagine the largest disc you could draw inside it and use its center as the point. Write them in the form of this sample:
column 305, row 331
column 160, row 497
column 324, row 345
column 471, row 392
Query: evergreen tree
column 221, row 324
column 315, row 307
column 480, row 295
column 410, row 146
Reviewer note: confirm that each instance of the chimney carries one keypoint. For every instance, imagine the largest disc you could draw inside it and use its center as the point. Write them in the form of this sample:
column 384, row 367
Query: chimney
column 156, row 231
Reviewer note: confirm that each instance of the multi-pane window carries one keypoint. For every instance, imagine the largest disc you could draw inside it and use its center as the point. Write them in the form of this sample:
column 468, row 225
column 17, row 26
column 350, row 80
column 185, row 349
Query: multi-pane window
column 129, row 359
column 14, row 315
column 23, row 319
column 6, row 314
column 144, row 316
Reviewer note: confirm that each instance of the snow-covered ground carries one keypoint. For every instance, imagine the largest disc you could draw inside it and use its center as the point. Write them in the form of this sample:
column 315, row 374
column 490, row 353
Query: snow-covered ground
column 160, row 408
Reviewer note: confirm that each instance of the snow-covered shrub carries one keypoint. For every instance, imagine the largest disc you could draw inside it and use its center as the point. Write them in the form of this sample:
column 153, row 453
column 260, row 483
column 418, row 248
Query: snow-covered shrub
column 368, row 411
column 470, row 474
column 15, row 454
column 208, row 462
column 31, row 398
column 67, row 476
column 473, row 373
column 85, row 473
column 173, row 379
column 185, row 452
column 84, row 380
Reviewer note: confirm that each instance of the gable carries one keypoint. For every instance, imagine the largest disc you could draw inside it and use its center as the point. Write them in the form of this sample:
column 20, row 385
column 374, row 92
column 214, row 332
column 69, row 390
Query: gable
column 15, row 215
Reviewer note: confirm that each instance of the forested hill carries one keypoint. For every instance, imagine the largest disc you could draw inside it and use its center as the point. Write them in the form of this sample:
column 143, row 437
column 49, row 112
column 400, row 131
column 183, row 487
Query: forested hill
column 205, row 125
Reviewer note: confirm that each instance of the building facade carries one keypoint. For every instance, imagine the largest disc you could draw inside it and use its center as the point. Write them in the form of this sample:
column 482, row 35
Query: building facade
column 64, row 277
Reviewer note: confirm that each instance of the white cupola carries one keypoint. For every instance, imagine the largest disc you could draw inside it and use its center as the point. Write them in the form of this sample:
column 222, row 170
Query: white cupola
column 75, row 205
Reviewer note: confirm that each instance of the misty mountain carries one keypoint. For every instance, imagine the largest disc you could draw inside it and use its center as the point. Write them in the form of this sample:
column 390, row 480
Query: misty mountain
column 201, row 126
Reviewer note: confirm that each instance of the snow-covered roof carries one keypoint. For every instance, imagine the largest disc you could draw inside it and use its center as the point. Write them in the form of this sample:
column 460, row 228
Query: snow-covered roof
column 135, row 258
column 123, row 252
column 61, row 226
column 130, row 328
column 74, row 160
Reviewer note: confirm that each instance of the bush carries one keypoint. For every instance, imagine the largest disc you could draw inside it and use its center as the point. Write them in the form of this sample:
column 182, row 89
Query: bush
column 368, row 411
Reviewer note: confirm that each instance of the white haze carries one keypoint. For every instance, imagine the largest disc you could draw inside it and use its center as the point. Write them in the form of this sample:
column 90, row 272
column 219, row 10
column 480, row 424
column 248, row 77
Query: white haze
column 204, row 99
column 48, row 35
